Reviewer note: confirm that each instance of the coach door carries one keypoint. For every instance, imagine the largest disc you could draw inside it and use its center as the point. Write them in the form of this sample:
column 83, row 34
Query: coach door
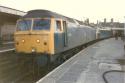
column 65, row 34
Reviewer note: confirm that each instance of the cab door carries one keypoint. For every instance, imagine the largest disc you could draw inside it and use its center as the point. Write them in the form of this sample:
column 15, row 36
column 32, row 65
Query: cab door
column 65, row 34
column 60, row 35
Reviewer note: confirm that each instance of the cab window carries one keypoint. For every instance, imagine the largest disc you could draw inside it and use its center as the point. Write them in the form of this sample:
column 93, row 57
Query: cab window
column 41, row 24
column 58, row 26
column 24, row 25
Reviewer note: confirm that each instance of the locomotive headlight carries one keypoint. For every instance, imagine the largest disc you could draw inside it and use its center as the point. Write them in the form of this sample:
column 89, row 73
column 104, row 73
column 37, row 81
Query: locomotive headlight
column 33, row 50
column 38, row 41
column 23, row 40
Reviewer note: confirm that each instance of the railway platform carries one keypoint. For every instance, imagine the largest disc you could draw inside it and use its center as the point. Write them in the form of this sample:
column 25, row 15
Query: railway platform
column 98, row 63
column 4, row 47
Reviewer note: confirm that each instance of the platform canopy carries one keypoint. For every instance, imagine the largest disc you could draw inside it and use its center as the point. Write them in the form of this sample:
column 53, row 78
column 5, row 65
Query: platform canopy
column 9, row 14
column 111, row 28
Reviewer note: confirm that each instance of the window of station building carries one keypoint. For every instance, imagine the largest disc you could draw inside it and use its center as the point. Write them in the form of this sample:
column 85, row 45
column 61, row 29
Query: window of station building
column 58, row 26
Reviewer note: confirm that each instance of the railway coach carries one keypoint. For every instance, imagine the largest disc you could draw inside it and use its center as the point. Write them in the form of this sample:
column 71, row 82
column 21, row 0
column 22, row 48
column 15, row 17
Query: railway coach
column 102, row 33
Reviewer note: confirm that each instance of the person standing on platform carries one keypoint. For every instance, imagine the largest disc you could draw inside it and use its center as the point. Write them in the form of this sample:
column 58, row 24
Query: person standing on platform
column 116, row 35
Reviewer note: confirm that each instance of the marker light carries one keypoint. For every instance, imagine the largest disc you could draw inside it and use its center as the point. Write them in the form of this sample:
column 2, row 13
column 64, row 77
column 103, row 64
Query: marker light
column 38, row 41
column 23, row 41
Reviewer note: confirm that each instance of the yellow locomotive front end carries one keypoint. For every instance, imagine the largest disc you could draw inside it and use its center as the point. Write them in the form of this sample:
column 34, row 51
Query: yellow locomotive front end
column 34, row 35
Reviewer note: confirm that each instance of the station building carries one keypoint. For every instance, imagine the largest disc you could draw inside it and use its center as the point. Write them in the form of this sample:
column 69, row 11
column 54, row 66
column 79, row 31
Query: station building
column 8, row 18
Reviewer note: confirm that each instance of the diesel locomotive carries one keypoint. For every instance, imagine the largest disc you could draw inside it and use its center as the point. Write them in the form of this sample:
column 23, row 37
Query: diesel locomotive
column 49, row 34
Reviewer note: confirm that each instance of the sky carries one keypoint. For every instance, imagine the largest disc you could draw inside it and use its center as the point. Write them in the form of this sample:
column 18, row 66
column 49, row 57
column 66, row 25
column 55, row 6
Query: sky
column 79, row 9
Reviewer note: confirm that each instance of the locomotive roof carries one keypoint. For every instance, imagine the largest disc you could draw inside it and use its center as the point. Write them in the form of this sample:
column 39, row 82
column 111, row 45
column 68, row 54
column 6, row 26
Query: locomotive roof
column 45, row 13
column 42, row 13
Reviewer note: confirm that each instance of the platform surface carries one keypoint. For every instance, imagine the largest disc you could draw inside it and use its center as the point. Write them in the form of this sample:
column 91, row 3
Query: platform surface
column 89, row 65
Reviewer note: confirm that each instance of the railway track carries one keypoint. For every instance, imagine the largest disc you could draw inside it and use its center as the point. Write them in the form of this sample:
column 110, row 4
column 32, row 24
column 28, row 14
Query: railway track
column 20, row 68
column 13, row 67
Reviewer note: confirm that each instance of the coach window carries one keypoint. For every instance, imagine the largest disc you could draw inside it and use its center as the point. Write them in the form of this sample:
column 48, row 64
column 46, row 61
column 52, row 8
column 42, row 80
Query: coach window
column 58, row 26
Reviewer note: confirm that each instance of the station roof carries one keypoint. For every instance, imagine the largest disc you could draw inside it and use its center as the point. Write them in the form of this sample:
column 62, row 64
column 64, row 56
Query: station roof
column 11, row 11
column 110, row 28
column 9, row 14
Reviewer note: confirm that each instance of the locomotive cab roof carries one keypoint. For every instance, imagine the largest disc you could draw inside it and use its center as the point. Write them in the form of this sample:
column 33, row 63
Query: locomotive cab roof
column 42, row 14
column 48, row 14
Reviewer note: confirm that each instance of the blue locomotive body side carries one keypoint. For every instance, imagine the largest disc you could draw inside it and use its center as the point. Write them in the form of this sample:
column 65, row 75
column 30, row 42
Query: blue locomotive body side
column 58, row 42
column 76, row 35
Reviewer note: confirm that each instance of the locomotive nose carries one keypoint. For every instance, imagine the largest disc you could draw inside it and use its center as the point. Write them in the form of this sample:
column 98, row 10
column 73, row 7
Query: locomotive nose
column 32, row 43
